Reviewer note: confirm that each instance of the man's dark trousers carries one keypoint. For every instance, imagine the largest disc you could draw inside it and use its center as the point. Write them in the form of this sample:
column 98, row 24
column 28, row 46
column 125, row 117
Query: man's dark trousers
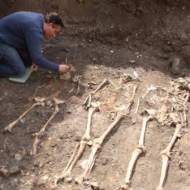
column 11, row 62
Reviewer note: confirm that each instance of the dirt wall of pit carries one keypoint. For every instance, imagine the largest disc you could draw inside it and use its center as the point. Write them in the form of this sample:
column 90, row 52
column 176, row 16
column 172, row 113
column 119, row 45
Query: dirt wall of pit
column 162, row 24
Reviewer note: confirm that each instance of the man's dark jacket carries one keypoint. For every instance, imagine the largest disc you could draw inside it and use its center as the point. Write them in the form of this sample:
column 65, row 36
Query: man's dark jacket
column 24, row 32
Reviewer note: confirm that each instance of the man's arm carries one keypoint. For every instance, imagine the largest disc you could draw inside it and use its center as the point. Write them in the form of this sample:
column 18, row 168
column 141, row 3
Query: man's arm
column 34, row 40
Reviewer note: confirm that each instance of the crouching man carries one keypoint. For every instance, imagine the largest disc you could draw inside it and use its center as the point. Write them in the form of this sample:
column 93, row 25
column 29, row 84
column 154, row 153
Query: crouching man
column 21, row 37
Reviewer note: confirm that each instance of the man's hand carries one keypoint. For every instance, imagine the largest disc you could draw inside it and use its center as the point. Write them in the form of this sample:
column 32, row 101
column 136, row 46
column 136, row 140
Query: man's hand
column 63, row 68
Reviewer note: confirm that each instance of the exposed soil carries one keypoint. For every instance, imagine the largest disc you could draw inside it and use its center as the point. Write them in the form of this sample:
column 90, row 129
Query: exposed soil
column 104, row 39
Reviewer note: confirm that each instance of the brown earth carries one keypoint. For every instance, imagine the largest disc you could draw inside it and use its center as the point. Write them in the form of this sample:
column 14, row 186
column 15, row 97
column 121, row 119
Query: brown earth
column 105, row 39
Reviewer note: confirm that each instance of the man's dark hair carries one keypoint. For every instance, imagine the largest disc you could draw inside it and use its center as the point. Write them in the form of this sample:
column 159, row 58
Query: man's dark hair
column 54, row 18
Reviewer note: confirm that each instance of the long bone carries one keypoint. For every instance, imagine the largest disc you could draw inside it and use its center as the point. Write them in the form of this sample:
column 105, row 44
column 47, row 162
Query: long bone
column 140, row 149
column 79, row 149
column 41, row 131
column 38, row 102
column 165, row 155
column 88, row 100
column 99, row 141
column 96, row 146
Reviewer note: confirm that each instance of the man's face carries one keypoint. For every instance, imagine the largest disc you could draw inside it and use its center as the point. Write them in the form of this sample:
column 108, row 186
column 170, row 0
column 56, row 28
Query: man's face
column 52, row 30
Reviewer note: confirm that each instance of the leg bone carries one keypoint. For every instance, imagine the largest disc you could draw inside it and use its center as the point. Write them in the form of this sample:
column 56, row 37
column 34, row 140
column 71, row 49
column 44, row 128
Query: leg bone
column 39, row 133
column 66, row 175
column 96, row 146
column 38, row 101
column 99, row 141
column 13, row 124
column 137, row 152
column 165, row 157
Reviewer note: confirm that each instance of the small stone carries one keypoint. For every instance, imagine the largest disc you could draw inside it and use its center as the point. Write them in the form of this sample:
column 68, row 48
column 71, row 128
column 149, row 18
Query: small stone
column 69, row 179
column 14, row 182
column 4, row 171
column 14, row 170
column 32, row 121
column 104, row 161
column 23, row 120
column 2, row 187
column 77, row 138
column 75, row 100
column 91, row 185
column 94, row 59
column 95, row 185
column 126, row 39
column 177, row 66
column 181, row 165
column 6, row 93
column 18, row 157
column 132, row 61
column 43, row 180
column 180, row 153
column 66, row 76
column 38, row 163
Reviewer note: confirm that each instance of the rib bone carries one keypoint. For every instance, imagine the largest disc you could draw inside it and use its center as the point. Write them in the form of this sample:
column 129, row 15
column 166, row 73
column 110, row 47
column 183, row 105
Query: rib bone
column 66, row 175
